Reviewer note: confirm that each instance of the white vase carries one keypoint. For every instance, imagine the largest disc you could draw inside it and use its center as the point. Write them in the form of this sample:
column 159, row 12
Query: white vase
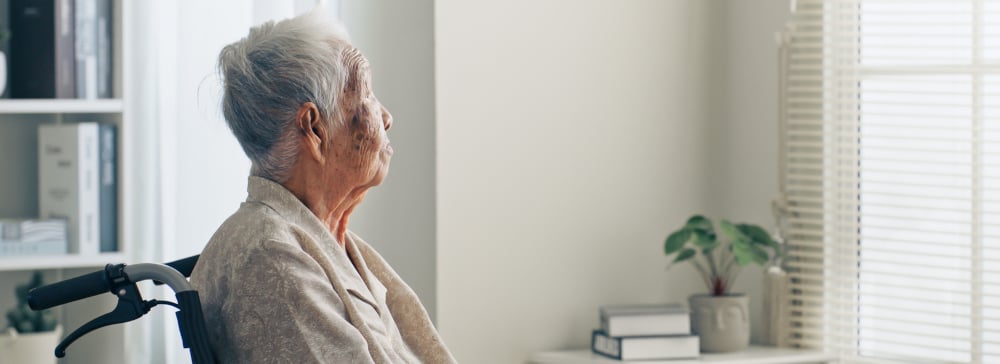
column 29, row 348
column 775, row 318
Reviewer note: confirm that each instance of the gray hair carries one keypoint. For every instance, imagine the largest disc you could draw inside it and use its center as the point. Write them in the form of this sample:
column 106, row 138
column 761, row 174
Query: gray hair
column 269, row 74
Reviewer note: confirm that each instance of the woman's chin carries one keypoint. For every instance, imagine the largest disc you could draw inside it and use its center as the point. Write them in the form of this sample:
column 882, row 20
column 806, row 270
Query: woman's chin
column 380, row 175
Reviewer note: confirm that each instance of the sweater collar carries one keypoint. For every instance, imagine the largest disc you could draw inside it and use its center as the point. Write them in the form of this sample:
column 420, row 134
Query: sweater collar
column 285, row 203
column 282, row 201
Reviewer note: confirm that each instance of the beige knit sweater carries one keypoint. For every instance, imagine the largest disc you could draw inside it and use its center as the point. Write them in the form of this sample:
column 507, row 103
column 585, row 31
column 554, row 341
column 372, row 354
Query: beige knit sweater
column 277, row 288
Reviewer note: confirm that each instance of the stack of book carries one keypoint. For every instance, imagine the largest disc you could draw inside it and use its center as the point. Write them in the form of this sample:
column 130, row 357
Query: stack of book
column 60, row 49
column 32, row 237
column 77, row 182
column 645, row 332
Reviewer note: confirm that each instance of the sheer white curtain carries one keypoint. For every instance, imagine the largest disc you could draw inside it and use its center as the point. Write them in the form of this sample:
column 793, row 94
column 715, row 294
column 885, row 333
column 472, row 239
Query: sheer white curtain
column 891, row 171
column 189, row 162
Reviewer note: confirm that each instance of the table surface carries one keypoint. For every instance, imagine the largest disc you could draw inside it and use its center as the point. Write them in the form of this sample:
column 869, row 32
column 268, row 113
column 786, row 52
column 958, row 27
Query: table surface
column 752, row 355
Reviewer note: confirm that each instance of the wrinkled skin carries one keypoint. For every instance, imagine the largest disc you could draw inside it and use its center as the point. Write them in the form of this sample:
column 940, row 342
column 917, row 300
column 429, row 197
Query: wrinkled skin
column 367, row 122
column 336, row 166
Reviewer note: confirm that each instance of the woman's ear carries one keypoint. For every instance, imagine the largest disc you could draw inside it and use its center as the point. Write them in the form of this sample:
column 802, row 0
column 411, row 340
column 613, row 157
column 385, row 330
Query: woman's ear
column 313, row 129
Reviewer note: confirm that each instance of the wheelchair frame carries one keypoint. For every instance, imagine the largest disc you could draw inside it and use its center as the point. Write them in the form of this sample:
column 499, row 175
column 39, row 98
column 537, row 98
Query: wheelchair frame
column 120, row 280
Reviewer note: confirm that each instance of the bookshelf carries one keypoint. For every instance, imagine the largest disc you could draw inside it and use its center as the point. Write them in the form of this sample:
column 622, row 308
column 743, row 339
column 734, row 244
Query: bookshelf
column 60, row 106
column 19, row 123
column 8, row 264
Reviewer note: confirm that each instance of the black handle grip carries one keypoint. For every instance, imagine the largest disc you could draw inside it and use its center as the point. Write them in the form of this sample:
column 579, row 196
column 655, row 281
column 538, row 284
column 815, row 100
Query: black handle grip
column 63, row 292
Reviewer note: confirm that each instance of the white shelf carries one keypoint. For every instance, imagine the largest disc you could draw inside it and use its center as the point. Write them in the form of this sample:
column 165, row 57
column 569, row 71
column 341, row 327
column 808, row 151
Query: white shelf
column 60, row 106
column 753, row 355
column 68, row 261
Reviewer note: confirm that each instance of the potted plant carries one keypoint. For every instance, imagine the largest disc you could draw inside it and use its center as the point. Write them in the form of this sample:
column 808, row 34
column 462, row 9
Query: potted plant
column 721, row 318
column 31, row 335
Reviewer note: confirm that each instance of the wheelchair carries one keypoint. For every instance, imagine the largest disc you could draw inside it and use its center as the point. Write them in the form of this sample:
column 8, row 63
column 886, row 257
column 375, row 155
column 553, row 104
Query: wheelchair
column 120, row 280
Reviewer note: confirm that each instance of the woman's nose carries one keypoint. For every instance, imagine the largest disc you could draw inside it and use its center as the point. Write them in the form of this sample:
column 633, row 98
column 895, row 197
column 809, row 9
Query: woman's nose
column 386, row 118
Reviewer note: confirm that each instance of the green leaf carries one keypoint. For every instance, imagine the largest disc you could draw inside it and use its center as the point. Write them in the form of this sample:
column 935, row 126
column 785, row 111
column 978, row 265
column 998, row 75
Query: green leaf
column 23, row 318
column 760, row 238
column 704, row 239
column 676, row 241
column 22, row 293
column 684, row 255
column 760, row 255
column 731, row 231
column 699, row 222
column 743, row 252
column 757, row 234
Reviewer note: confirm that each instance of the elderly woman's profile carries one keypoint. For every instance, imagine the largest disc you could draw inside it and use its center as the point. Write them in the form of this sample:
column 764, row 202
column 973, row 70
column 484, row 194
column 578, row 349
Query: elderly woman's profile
column 283, row 280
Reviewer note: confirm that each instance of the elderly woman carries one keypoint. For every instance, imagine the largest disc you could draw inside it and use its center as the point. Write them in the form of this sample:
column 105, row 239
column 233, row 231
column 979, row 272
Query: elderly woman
column 283, row 280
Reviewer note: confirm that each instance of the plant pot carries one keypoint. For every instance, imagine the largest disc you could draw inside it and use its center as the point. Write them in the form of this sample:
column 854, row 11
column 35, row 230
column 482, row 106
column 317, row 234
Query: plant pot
column 721, row 322
column 36, row 347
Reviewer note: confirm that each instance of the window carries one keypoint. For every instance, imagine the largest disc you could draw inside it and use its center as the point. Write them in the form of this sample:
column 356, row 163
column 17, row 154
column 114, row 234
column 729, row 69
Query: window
column 891, row 172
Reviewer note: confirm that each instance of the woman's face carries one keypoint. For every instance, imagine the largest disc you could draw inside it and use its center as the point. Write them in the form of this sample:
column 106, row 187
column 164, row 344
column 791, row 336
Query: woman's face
column 362, row 147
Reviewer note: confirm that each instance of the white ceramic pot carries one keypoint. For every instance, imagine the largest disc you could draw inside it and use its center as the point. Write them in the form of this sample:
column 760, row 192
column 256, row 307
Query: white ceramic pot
column 29, row 348
column 721, row 322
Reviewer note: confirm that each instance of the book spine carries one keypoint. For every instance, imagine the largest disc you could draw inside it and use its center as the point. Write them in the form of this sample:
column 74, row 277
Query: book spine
column 58, row 179
column 104, row 43
column 68, row 181
column 607, row 346
column 65, row 60
column 32, row 49
column 108, row 189
column 32, row 237
column 90, row 165
column 86, row 48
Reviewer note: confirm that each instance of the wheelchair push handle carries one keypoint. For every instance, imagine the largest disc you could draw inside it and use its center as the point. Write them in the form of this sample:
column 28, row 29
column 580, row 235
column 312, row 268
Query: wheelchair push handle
column 120, row 280
column 89, row 285
column 73, row 289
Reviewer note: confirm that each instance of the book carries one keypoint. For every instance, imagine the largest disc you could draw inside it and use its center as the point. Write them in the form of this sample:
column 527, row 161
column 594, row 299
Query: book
column 85, row 43
column 32, row 237
column 640, row 320
column 93, row 48
column 42, row 60
column 104, row 44
column 645, row 347
column 68, row 180
column 108, row 190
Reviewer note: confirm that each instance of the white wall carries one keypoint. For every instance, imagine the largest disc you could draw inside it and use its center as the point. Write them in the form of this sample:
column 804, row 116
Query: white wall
column 569, row 144
column 397, row 218
column 743, row 110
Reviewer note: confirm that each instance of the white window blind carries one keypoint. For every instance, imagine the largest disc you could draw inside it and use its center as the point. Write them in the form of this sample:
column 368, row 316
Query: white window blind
column 891, row 173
